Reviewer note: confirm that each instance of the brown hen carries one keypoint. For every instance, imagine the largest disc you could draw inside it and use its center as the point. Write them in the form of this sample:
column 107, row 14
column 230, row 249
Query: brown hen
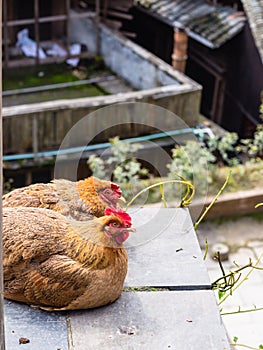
column 57, row 263
column 81, row 200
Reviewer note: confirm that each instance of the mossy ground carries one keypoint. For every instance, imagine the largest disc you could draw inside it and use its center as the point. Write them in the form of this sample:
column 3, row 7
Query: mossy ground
column 26, row 77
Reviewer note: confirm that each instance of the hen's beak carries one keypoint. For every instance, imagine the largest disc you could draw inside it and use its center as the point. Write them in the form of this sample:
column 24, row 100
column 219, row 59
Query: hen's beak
column 130, row 229
column 122, row 199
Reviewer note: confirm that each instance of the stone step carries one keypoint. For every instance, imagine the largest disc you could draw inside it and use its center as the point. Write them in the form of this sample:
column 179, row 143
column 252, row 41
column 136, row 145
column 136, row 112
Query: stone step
column 164, row 252
column 152, row 320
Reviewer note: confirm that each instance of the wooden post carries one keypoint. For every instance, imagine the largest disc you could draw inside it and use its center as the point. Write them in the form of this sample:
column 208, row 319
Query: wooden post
column 5, row 34
column 2, row 335
column 35, row 136
column 36, row 26
column 67, row 6
column 179, row 55
column 97, row 19
column 105, row 9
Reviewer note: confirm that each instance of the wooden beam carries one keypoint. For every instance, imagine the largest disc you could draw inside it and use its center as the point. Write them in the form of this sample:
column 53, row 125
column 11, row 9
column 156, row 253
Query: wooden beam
column 36, row 27
column 47, row 19
column 67, row 6
column 119, row 14
column 5, row 34
column 2, row 335
column 229, row 204
column 97, row 20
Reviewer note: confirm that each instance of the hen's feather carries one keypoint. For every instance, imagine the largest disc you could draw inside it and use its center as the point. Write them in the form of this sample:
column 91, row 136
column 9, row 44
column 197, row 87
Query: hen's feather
column 81, row 200
column 60, row 264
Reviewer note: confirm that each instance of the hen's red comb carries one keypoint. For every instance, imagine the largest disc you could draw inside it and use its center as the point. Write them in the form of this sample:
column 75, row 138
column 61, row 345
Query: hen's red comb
column 122, row 214
column 116, row 188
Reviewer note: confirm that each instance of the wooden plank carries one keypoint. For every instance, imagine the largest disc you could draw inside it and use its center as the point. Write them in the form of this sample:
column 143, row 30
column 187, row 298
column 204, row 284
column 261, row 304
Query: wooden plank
column 47, row 19
column 229, row 204
column 152, row 320
column 119, row 14
column 173, row 91
column 131, row 35
column 113, row 23
column 164, row 252
column 44, row 330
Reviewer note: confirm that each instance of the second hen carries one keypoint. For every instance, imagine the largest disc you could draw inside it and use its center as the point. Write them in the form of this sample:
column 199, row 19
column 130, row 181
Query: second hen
column 57, row 263
column 80, row 200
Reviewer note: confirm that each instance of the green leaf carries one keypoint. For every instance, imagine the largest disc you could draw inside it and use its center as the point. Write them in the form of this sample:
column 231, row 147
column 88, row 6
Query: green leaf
column 221, row 294
column 235, row 339
column 260, row 346
column 163, row 196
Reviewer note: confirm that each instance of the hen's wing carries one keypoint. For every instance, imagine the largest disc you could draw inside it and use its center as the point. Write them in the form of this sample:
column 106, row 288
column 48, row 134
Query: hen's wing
column 30, row 234
column 60, row 195
column 53, row 283
column 37, row 269
column 37, row 196
column 70, row 201
column 46, row 263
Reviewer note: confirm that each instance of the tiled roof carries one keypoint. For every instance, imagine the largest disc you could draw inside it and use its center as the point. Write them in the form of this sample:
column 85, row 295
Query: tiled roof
column 212, row 25
column 254, row 12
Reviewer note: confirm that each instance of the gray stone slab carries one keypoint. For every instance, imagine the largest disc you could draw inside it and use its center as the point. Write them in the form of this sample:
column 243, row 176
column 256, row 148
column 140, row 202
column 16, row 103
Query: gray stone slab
column 45, row 330
column 164, row 252
column 185, row 320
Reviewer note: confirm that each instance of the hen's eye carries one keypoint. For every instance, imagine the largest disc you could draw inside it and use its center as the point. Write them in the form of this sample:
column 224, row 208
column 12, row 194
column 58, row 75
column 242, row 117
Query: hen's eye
column 107, row 191
column 114, row 224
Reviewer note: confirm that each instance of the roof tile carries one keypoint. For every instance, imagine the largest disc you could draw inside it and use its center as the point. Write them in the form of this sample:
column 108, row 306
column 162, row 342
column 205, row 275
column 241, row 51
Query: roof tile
column 212, row 25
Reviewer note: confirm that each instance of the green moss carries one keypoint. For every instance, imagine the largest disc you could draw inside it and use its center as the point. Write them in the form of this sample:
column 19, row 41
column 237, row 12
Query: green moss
column 27, row 77
column 17, row 78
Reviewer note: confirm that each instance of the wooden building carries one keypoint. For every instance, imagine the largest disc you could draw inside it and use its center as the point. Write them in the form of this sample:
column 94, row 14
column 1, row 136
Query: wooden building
column 45, row 22
column 48, row 22
column 224, row 54
column 34, row 132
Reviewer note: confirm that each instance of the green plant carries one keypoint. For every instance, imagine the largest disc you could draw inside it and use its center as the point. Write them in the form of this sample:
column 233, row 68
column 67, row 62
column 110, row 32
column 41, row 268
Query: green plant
column 182, row 163
column 233, row 279
column 124, row 167
column 186, row 199
column 210, row 206
column 127, row 170
column 235, row 343
column 254, row 146
column 97, row 166
column 8, row 185
column 225, row 148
